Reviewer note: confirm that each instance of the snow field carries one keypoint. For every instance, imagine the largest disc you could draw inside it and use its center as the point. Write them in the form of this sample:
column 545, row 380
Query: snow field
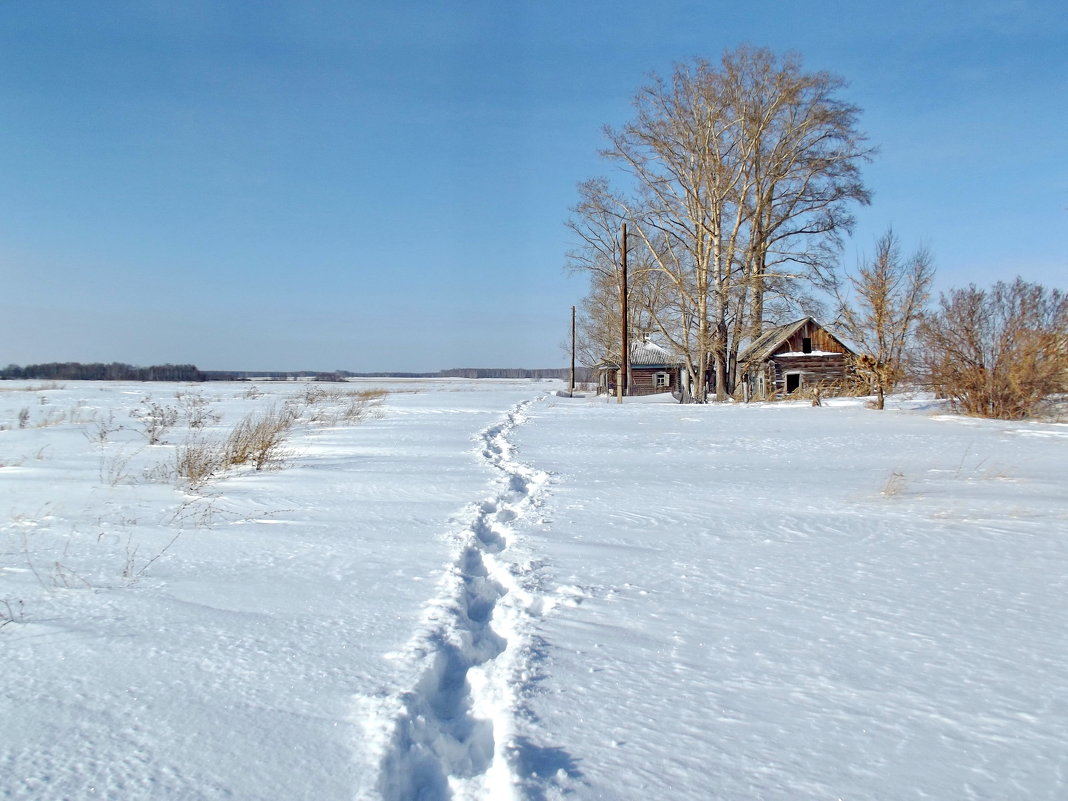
column 236, row 666
column 785, row 602
column 489, row 592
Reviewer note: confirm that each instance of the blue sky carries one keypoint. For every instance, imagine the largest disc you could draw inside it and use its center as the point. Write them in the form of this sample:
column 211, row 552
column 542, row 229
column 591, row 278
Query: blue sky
column 382, row 186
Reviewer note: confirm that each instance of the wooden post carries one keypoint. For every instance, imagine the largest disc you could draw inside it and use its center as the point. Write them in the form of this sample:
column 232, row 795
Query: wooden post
column 571, row 390
column 624, row 364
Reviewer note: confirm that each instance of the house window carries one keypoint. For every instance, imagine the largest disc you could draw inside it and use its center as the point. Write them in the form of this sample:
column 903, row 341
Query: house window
column 793, row 382
column 806, row 344
column 661, row 380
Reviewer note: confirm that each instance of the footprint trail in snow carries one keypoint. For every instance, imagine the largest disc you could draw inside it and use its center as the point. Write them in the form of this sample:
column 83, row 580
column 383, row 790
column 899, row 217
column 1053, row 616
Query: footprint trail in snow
column 452, row 732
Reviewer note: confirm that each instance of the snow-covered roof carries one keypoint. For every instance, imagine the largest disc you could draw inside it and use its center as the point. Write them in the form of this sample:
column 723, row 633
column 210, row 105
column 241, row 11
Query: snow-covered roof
column 647, row 354
column 810, row 353
column 764, row 345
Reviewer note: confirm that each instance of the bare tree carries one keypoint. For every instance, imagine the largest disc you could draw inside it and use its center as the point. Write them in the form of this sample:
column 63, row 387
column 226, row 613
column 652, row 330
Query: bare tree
column 998, row 353
column 682, row 149
column 804, row 176
column 596, row 221
column 744, row 175
column 881, row 308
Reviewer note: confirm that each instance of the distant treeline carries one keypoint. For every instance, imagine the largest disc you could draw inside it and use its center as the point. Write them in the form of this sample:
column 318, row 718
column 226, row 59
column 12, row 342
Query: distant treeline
column 116, row 371
column 74, row 371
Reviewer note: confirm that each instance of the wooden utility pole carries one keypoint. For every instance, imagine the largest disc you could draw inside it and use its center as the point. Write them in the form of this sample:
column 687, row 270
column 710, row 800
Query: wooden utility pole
column 571, row 390
column 624, row 362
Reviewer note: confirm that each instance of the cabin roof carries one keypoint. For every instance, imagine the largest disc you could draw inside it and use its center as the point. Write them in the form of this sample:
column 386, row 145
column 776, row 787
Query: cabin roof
column 764, row 346
column 647, row 354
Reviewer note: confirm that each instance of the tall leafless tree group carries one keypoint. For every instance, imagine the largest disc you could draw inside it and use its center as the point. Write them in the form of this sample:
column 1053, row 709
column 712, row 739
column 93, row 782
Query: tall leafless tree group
column 738, row 181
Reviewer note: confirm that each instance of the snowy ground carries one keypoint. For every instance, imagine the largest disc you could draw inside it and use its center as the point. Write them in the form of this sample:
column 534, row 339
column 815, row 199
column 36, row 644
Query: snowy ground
column 487, row 591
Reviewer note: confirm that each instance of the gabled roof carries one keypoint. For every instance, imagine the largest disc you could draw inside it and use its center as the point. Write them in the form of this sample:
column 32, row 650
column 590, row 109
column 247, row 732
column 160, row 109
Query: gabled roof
column 647, row 354
column 766, row 344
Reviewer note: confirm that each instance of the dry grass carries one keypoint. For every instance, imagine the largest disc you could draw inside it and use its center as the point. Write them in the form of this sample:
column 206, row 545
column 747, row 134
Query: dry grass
column 114, row 468
column 102, row 428
column 258, row 440
column 198, row 460
column 155, row 419
column 197, row 410
column 339, row 406
column 51, row 417
column 360, row 405
column 11, row 613
column 895, row 484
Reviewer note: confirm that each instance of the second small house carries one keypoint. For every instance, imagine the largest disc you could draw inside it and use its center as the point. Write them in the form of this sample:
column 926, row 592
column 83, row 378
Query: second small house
column 787, row 358
column 652, row 370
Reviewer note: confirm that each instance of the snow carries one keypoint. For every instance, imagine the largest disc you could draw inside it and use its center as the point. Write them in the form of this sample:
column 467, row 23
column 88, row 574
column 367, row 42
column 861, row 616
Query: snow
column 489, row 591
column 808, row 353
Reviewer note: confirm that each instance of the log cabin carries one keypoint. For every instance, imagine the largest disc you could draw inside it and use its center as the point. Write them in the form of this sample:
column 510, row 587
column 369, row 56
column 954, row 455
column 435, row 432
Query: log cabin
column 799, row 355
column 652, row 370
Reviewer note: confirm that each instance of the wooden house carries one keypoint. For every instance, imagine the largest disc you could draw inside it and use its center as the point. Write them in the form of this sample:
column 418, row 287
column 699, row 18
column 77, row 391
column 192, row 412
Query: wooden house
column 652, row 370
column 798, row 355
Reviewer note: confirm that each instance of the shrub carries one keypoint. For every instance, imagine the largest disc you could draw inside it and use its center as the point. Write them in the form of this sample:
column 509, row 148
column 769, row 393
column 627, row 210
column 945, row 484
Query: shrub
column 997, row 353
column 360, row 405
column 155, row 419
column 198, row 460
column 197, row 410
column 341, row 406
column 313, row 394
column 258, row 440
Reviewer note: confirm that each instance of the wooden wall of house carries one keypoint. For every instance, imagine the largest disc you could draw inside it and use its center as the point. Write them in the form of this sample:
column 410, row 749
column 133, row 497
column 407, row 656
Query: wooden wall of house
column 823, row 369
column 643, row 380
column 813, row 369
column 821, row 340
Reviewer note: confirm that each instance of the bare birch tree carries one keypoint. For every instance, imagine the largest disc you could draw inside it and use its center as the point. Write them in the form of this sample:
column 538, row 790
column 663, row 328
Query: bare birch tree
column 597, row 221
column 683, row 152
column 744, row 174
column 804, row 176
column 880, row 309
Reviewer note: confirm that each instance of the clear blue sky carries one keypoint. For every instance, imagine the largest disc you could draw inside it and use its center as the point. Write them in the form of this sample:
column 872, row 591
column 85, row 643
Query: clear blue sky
column 301, row 184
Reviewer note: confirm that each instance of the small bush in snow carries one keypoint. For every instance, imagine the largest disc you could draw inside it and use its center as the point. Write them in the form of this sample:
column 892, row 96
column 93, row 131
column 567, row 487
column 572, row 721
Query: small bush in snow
column 103, row 428
column 258, row 439
column 198, row 460
column 155, row 419
column 361, row 405
column 197, row 410
column 347, row 407
column 313, row 394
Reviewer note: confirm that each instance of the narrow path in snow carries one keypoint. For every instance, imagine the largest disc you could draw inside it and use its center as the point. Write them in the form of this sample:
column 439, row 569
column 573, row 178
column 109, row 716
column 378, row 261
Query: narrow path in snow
column 452, row 733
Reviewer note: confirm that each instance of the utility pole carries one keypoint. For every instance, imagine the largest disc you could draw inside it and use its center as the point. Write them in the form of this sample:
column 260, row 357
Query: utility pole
column 571, row 390
column 624, row 362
